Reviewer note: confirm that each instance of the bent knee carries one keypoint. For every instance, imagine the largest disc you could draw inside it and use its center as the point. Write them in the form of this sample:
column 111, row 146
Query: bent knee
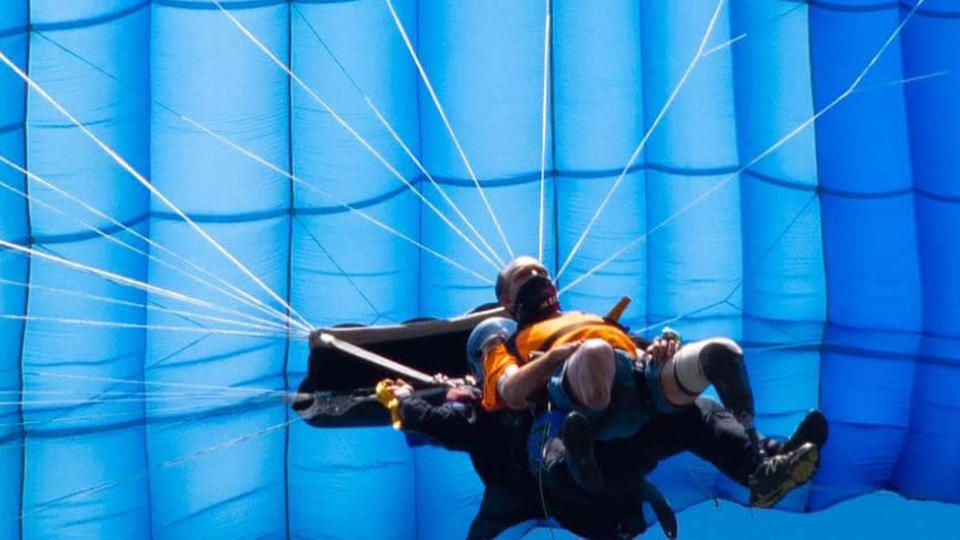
column 590, row 373
column 720, row 349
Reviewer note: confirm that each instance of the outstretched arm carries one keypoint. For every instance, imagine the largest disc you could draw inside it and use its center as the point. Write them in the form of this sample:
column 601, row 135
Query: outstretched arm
column 453, row 424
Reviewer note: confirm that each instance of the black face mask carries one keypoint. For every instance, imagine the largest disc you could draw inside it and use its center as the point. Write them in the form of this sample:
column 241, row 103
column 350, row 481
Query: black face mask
column 536, row 301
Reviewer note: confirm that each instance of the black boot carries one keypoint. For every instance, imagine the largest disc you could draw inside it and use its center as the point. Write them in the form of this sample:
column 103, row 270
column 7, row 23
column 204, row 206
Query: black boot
column 812, row 429
column 778, row 475
column 581, row 463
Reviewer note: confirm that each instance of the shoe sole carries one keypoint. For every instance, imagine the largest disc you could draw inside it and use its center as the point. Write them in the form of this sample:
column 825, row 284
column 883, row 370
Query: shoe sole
column 802, row 472
column 813, row 429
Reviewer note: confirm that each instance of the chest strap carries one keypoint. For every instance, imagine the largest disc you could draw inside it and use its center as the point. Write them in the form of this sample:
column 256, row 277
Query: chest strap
column 511, row 342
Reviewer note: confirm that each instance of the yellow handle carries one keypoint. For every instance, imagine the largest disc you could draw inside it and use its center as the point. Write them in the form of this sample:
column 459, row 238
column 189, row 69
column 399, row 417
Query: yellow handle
column 387, row 398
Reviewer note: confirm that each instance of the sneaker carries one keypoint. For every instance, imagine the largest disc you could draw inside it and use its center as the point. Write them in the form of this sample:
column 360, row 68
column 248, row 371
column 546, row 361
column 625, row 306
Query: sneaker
column 581, row 463
column 812, row 429
column 778, row 475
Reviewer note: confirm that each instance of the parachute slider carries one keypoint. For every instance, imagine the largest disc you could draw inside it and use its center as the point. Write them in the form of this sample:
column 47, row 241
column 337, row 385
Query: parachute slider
column 327, row 340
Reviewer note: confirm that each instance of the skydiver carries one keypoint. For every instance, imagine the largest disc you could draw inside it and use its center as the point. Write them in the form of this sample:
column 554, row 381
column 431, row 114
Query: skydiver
column 497, row 445
column 609, row 389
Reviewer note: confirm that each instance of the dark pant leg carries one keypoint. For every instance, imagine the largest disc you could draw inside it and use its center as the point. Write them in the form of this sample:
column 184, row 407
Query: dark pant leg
column 704, row 428
column 500, row 509
column 724, row 442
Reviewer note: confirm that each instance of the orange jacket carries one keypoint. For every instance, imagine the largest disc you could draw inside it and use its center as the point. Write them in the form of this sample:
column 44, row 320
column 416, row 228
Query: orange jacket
column 543, row 336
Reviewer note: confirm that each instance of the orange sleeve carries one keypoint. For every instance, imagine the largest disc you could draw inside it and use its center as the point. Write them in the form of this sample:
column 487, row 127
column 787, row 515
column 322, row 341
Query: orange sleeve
column 495, row 363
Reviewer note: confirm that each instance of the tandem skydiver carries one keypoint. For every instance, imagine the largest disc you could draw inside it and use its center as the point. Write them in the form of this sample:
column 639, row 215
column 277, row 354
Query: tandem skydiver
column 497, row 443
column 609, row 388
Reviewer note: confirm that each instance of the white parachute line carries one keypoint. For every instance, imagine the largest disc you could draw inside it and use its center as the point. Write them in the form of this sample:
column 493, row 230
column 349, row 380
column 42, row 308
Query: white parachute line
column 676, row 318
column 783, row 346
column 119, row 242
column 762, row 155
column 267, row 164
column 754, row 264
column 104, row 486
column 122, row 280
column 726, row 44
column 345, row 125
column 446, row 123
column 496, row 262
column 905, row 80
column 745, row 33
column 340, row 269
column 406, row 149
column 244, row 390
column 130, row 399
column 141, row 326
column 253, row 302
column 803, row 210
column 543, row 125
column 117, row 393
column 152, row 415
column 244, row 297
column 148, row 185
column 338, row 201
column 646, row 137
column 137, row 305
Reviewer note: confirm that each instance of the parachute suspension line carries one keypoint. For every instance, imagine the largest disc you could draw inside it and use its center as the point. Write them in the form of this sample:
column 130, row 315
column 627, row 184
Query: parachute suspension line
column 124, row 399
column 406, row 149
column 118, row 393
column 152, row 307
column 762, row 155
column 258, row 159
column 496, row 262
column 122, row 280
column 239, row 390
column 226, row 141
column 803, row 210
column 674, row 319
column 310, row 187
column 340, row 269
column 343, row 123
column 111, row 238
column 141, row 326
column 156, row 414
column 105, row 486
column 646, row 137
column 243, row 297
column 745, row 33
column 446, row 123
column 756, row 262
column 906, row 80
column 150, row 187
column 102, row 273
column 543, row 124
column 141, row 285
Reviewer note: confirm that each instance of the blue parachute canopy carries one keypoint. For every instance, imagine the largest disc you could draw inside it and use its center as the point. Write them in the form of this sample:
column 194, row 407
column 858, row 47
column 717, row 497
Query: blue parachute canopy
column 189, row 186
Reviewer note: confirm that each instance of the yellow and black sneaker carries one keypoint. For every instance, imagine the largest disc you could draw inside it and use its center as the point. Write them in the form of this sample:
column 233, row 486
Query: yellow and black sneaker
column 812, row 429
column 778, row 475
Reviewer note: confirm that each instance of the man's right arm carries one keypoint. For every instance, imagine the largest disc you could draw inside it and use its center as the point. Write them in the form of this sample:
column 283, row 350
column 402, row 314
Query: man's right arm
column 453, row 425
column 518, row 383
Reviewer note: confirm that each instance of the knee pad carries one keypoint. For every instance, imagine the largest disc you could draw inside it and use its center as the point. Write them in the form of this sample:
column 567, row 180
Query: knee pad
column 688, row 371
column 590, row 373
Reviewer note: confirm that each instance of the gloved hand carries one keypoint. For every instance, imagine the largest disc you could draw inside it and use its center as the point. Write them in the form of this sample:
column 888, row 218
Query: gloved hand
column 390, row 393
